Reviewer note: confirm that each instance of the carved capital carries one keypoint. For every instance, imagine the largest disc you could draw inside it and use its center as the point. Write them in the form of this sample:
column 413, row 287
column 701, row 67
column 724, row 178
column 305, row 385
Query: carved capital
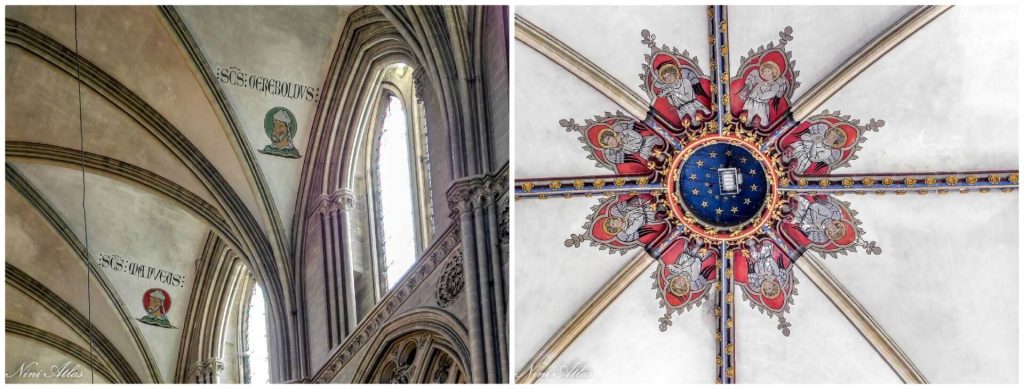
column 482, row 196
column 477, row 191
column 204, row 371
column 462, row 195
column 345, row 199
column 340, row 200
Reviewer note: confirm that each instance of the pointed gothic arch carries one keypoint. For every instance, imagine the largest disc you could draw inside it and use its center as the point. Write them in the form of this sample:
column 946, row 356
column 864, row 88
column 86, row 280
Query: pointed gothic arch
column 426, row 345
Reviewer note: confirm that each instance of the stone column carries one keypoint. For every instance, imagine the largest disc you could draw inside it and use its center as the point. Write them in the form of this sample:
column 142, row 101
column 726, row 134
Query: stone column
column 474, row 202
column 333, row 213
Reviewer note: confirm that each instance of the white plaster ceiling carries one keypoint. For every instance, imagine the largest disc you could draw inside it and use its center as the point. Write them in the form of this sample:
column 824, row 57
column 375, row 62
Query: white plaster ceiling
column 552, row 281
column 42, row 107
column 21, row 348
column 138, row 225
column 623, row 345
column 553, row 151
column 945, row 287
column 947, row 344
column 620, row 52
column 135, row 46
column 946, row 97
column 21, row 308
column 822, row 347
column 823, row 37
column 293, row 44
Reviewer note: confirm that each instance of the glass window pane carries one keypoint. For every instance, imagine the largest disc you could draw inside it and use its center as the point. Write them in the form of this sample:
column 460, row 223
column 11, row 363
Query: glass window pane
column 259, row 355
column 396, row 193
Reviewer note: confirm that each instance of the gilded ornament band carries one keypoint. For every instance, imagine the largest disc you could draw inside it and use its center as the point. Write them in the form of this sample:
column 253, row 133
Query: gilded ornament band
column 902, row 183
column 568, row 187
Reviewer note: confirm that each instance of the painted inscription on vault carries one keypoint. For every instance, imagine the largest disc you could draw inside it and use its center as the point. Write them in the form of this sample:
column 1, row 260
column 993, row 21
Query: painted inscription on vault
column 235, row 76
column 117, row 263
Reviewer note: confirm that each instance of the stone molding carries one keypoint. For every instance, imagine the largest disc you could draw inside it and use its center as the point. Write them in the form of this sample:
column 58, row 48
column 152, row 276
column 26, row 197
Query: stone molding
column 444, row 248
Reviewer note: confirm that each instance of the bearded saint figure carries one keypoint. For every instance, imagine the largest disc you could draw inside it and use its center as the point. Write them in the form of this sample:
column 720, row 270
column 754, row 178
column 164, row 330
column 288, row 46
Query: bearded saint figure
column 281, row 136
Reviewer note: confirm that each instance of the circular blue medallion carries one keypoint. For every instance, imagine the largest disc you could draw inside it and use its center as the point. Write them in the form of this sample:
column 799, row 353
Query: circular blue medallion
column 722, row 184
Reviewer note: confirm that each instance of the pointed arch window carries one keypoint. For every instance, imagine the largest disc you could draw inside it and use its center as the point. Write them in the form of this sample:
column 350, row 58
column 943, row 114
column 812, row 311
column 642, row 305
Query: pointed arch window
column 399, row 241
column 400, row 174
column 256, row 362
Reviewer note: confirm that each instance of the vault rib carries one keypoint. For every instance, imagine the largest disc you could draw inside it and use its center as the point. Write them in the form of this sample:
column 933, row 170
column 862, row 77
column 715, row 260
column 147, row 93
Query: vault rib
column 909, row 24
column 62, row 229
column 40, row 153
column 893, row 355
column 103, row 357
column 580, row 320
column 220, row 104
column 581, row 67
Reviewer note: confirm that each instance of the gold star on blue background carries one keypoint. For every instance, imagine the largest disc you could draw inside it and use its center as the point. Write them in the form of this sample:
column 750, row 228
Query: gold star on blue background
column 702, row 193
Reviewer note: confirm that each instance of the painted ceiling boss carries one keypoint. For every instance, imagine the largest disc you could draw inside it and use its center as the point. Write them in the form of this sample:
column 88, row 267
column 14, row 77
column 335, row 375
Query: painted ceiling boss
column 721, row 161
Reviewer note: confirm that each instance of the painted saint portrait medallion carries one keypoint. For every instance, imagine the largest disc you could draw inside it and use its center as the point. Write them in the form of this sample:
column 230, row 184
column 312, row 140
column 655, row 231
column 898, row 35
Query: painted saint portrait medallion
column 157, row 303
column 280, row 126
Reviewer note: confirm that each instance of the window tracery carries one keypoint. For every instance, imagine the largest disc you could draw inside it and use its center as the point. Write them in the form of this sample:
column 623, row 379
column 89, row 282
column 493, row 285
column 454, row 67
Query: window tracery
column 418, row 358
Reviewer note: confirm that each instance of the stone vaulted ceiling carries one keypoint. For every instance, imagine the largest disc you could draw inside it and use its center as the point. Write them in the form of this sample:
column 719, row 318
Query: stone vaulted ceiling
column 170, row 160
column 901, row 302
